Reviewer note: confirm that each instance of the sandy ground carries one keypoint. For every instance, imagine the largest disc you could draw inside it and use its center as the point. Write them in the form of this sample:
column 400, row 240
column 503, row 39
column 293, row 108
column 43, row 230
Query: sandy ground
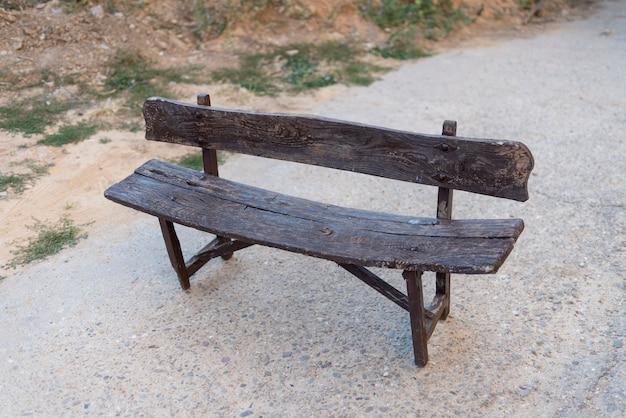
column 104, row 329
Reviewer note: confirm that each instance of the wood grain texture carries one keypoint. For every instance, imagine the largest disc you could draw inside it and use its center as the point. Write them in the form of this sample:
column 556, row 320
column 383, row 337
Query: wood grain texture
column 493, row 167
column 335, row 233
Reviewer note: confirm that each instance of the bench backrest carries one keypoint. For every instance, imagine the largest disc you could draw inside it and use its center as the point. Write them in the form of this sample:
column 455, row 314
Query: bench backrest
column 493, row 167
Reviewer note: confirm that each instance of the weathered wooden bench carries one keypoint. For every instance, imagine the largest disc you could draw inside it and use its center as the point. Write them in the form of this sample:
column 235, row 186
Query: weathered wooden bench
column 240, row 215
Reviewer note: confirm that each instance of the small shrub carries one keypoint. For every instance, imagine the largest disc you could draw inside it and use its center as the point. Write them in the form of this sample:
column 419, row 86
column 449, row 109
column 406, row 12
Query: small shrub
column 209, row 22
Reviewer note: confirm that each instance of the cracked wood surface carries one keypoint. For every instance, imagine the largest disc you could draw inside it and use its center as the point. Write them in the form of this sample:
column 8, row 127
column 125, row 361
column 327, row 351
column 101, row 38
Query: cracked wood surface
column 331, row 232
column 493, row 167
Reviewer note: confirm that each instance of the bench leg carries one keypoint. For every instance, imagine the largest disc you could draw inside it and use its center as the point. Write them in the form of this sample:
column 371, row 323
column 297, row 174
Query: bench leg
column 175, row 253
column 417, row 316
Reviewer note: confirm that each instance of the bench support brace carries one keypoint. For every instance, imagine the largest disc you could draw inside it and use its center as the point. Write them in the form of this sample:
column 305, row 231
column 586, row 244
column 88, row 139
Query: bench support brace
column 219, row 247
column 423, row 319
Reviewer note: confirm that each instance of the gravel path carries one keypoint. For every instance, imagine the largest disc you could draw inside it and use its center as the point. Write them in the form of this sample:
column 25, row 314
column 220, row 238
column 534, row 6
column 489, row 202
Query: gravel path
column 103, row 329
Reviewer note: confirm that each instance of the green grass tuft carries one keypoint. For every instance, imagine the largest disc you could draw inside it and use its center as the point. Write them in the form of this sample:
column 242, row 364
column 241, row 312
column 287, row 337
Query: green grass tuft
column 13, row 181
column 69, row 134
column 50, row 240
column 136, row 77
column 299, row 67
column 251, row 75
column 192, row 160
column 30, row 117
column 410, row 20
column 17, row 182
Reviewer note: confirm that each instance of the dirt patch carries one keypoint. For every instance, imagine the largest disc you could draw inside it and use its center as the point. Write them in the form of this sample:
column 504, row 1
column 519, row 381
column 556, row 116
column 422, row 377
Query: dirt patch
column 80, row 44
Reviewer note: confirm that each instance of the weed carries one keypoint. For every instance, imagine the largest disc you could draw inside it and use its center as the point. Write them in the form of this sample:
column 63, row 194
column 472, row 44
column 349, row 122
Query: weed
column 14, row 181
column 250, row 75
column 194, row 160
column 17, row 4
column 50, row 240
column 32, row 116
column 69, row 134
column 401, row 45
column 105, row 140
column 207, row 21
column 302, row 73
column 299, row 67
column 130, row 72
column 408, row 20
column 17, row 182
column 525, row 4
column 70, row 6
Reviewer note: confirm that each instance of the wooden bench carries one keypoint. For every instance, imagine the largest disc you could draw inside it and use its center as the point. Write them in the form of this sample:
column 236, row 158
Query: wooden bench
column 240, row 215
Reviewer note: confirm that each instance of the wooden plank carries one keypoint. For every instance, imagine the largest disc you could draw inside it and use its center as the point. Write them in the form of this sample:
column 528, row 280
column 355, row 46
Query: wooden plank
column 493, row 167
column 335, row 233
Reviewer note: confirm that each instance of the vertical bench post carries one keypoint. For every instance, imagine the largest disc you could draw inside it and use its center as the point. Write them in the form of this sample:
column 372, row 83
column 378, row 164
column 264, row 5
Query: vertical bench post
column 415, row 295
column 444, row 211
column 209, row 155
column 209, row 162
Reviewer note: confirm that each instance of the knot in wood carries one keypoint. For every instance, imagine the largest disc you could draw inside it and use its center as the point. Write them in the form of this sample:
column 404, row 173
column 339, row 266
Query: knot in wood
column 441, row 177
column 445, row 147
column 326, row 231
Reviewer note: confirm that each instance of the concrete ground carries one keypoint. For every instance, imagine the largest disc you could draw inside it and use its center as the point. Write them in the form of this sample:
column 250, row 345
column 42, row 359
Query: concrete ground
column 103, row 329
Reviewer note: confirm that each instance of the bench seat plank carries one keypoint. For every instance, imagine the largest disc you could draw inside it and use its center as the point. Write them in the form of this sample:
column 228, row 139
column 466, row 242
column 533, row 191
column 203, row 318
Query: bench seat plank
column 340, row 234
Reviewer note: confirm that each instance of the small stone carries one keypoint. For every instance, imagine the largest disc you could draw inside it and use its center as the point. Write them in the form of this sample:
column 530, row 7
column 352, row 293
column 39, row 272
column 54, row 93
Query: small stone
column 97, row 11
column 524, row 392
column 17, row 43
column 617, row 343
column 287, row 354
column 246, row 413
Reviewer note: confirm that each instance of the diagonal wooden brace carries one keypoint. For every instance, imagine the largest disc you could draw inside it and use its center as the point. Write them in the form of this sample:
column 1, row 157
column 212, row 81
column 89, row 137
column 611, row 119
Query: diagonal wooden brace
column 219, row 247
column 423, row 319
